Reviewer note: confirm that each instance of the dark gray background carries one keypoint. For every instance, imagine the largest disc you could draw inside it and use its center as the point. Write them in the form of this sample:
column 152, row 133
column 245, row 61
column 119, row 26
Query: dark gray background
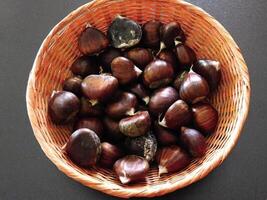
column 25, row 172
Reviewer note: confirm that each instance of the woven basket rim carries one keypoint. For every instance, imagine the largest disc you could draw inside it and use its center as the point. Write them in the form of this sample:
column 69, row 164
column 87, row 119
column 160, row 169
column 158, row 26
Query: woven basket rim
column 163, row 188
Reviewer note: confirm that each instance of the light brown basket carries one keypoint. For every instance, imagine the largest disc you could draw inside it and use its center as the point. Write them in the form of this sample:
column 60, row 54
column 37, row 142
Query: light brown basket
column 205, row 35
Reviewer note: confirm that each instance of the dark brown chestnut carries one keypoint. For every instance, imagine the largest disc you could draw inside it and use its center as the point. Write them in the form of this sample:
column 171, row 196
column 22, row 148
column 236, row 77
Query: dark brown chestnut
column 99, row 88
column 145, row 146
column 136, row 125
column 63, row 107
column 141, row 57
column 185, row 56
column 92, row 41
column 162, row 99
column 151, row 34
column 194, row 88
column 205, row 117
column 168, row 56
column 110, row 154
column 165, row 137
column 194, row 141
column 73, row 85
column 107, row 57
column 158, row 73
column 91, row 123
column 177, row 115
column 124, row 32
column 131, row 168
column 84, row 66
column 172, row 159
column 171, row 33
column 179, row 79
column 84, row 147
column 140, row 91
column 124, row 70
column 210, row 70
column 89, row 110
column 113, row 130
column 122, row 106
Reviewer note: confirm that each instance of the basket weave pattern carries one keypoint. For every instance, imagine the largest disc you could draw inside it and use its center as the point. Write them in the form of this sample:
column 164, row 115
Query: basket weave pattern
column 204, row 34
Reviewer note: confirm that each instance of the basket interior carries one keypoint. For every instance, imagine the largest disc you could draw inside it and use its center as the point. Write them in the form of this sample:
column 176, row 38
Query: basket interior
column 204, row 35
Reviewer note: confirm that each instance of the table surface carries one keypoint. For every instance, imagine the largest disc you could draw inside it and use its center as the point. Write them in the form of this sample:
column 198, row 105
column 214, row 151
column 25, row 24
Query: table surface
column 26, row 173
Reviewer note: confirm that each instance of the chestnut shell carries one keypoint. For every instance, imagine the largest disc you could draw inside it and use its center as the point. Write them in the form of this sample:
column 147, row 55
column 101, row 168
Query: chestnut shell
column 84, row 66
column 105, row 59
column 73, row 85
column 151, row 34
column 141, row 57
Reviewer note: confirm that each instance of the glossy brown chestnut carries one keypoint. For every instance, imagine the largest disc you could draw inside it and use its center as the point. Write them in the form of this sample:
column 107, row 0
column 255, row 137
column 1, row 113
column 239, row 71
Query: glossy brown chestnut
column 89, row 110
column 84, row 147
column 140, row 91
column 136, row 125
column 113, row 130
column 131, row 168
column 185, row 56
column 73, row 85
column 151, row 34
column 177, row 115
column 85, row 66
column 124, row 32
column 194, row 141
column 124, row 70
column 210, row 70
column 107, row 57
column 165, row 137
column 158, row 73
column 124, row 105
column 141, row 57
column 63, row 107
column 92, row 41
column 99, row 87
column 145, row 146
column 91, row 123
column 194, row 88
column 162, row 99
column 205, row 117
column 179, row 79
column 110, row 154
column 172, row 159
column 168, row 56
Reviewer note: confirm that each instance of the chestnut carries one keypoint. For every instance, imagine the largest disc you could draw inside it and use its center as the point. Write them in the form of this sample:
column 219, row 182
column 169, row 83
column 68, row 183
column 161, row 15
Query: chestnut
column 124, row 70
column 91, row 123
column 63, row 107
column 84, row 66
column 140, row 91
column 92, row 41
column 131, row 168
column 162, row 99
column 113, row 130
column 151, row 34
column 89, row 110
column 141, row 57
column 124, row 32
column 177, row 115
column 136, row 125
column 84, row 147
column 107, row 57
column 122, row 106
column 205, row 117
column 172, row 159
column 99, row 87
column 165, row 137
column 210, row 70
column 109, row 155
column 168, row 56
column 73, row 85
column 179, row 79
column 158, row 73
column 185, row 56
column 194, row 141
column 194, row 88
column 145, row 146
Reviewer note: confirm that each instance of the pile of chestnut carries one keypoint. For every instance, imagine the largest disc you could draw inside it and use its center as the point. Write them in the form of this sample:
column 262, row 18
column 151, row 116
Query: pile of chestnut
column 138, row 97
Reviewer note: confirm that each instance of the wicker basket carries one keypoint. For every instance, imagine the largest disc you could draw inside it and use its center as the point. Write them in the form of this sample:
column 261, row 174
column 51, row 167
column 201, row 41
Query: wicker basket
column 205, row 35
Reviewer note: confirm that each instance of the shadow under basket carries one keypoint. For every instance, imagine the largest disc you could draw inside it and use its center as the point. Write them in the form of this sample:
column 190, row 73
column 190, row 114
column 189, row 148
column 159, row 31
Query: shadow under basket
column 204, row 34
